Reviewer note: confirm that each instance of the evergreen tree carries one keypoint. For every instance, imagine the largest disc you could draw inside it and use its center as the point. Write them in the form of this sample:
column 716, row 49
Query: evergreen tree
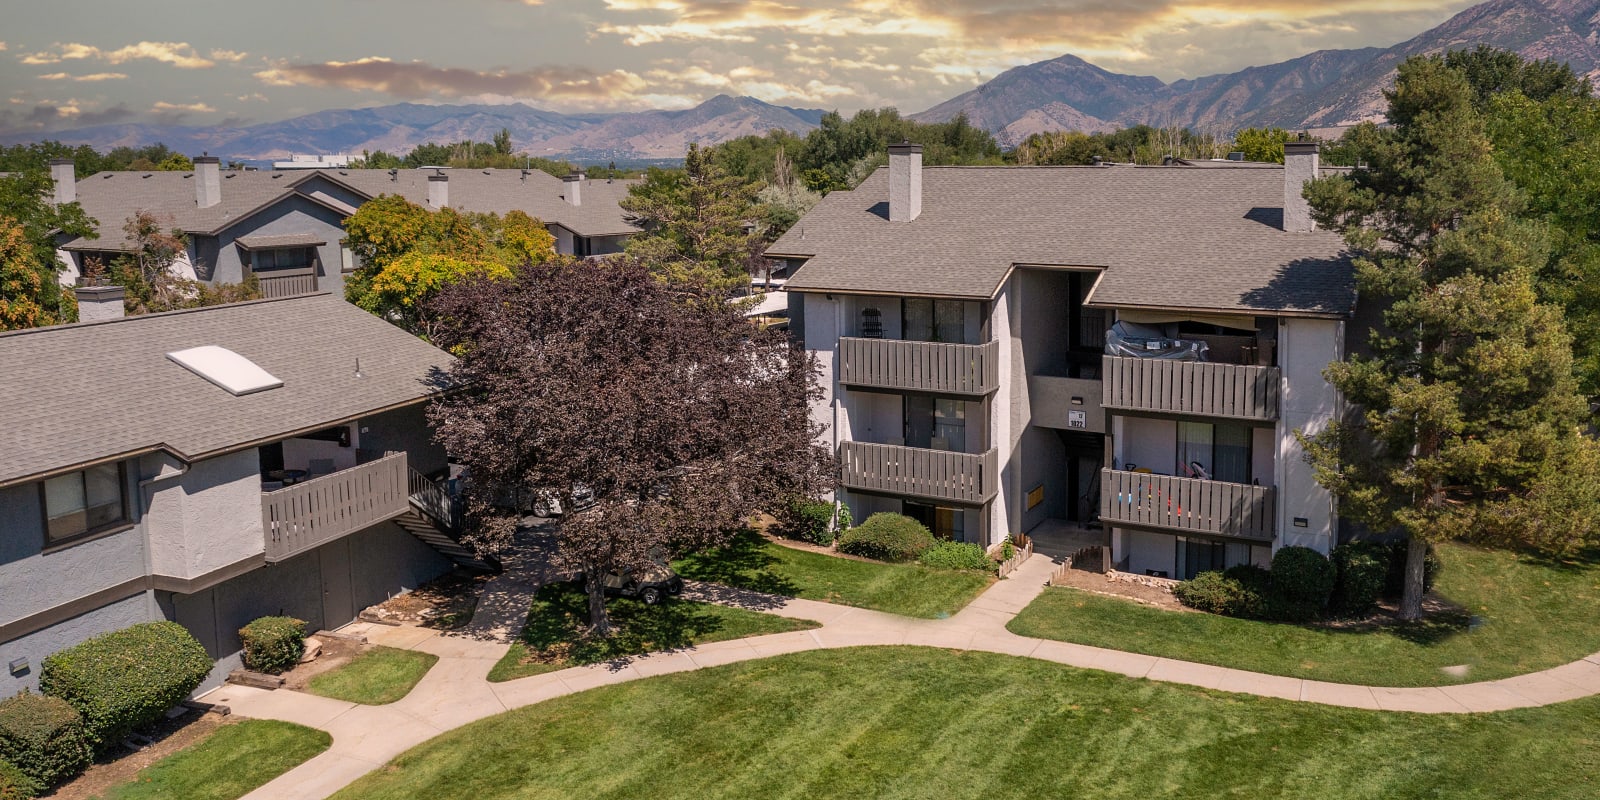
column 1467, row 414
column 699, row 225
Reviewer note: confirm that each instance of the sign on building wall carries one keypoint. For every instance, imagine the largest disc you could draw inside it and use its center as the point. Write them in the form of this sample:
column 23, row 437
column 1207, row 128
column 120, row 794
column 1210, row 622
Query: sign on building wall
column 1035, row 496
column 1077, row 419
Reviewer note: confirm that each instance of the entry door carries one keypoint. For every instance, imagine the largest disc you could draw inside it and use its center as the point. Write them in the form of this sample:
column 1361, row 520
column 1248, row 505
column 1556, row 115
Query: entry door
column 338, row 598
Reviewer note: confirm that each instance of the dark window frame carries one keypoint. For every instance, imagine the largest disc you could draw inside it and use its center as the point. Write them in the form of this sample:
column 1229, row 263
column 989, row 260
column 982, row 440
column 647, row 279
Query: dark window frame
column 124, row 518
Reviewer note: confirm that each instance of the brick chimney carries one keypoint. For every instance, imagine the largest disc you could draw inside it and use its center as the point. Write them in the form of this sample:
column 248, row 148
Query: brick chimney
column 99, row 303
column 438, row 190
column 65, row 175
column 573, row 185
column 905, row 182
column 207, row 181
column 1301, row 162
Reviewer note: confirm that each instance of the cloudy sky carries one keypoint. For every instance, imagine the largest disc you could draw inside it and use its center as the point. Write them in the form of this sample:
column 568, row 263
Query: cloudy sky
column 70, row 63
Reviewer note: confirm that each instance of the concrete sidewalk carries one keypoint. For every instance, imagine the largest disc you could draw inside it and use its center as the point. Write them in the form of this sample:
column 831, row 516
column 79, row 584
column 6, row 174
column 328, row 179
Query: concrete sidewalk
column 456, row 691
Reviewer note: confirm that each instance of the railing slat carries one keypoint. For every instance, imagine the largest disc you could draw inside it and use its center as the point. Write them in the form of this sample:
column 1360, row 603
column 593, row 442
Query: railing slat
column 1198, row 388
column 920, row 366
column 934, row 474
column 312, row 513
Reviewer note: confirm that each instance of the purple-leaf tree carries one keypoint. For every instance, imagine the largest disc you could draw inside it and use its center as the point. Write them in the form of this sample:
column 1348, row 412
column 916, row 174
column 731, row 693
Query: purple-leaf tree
column 679, row 416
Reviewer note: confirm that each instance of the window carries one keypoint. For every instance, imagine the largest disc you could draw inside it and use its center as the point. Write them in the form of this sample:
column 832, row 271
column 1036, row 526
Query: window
column 1200, row 555
column 944, row 523
column 1220, row 452
column 936, row 423
column 83, row 502
column 934, row 321
column 287, row 258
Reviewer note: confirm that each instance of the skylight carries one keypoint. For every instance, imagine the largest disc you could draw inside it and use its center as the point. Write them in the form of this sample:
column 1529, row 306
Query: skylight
column 227, row 369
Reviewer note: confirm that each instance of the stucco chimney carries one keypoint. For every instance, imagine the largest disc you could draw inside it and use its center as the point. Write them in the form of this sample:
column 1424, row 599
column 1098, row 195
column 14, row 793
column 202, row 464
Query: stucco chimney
column 573, row 186
column 1301, row 161
column 438, row 190
column 99, row 303
column 65, row 175
column 207, row 181
column 905, row 182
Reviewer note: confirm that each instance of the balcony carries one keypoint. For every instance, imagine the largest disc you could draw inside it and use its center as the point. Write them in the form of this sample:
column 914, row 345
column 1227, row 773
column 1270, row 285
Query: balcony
column 312, row 513
column 1181, row 505
column 915, row 472
column 967, row 369
column 1195, row 388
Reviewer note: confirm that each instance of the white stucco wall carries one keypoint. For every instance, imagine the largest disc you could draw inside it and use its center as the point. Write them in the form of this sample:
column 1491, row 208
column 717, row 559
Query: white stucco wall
column 1305, row 348
column 1147, row 443
column 200, row 520
column 1007, row 418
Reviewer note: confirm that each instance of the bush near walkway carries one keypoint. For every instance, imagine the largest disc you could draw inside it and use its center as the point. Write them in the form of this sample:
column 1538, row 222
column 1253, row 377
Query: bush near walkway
column 887, row 537
column 126, row 679
column 273, row 644
column 43, row 737
column 16, row 784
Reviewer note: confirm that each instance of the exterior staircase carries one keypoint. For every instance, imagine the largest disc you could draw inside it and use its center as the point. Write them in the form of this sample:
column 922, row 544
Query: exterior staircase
column 435, row 521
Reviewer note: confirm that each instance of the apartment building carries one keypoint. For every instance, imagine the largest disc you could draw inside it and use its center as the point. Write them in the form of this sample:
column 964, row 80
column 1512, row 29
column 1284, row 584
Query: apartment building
column 213, row 466
column 285, row 227
column 1115, row 354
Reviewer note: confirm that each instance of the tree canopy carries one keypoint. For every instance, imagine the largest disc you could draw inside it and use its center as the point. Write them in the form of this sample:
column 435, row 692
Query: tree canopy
column 699, row 224
column 30, row 289
column 679, row 417
column 1467, row 416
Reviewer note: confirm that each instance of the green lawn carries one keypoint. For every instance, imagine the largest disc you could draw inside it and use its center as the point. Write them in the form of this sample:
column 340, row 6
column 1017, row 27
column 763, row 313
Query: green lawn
column 553, row 637
column 380, row 675
column 753, row 562
column 902, row 722
column 1533, row 615
column 227, row 764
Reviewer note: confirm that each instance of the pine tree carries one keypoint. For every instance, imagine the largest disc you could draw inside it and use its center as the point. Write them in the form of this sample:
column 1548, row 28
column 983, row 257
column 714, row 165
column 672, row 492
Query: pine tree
column 1466, row 412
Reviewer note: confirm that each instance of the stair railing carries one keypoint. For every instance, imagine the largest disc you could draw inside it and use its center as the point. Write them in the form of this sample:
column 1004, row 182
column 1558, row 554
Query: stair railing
column 432, row 498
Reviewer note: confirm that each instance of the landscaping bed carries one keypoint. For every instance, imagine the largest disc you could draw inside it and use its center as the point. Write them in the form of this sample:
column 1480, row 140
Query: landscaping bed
column 752, row 561
column 444, row 604
column 553, row 638
column 904, row 722
column 1494, row 614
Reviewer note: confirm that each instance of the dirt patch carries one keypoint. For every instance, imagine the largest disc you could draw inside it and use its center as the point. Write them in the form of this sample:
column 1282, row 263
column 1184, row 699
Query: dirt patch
column 1098, row 583
column 335, row 654
column 446, row 604
column 118, row 767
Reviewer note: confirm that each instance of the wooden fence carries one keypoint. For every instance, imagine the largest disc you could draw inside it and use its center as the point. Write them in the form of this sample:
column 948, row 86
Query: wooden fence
column 312, row 513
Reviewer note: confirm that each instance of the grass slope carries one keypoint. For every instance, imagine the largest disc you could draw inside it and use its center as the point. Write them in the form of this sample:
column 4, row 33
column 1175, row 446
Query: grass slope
column 900, row 722
column 553, row 638
column 379, row 676
column 752, row 562
column 227, row 764
column 1534, row 615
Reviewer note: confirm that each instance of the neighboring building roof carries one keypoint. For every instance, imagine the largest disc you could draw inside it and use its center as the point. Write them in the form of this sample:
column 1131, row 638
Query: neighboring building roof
column 534, row 192
column 1167, row 237
column 112, row 198
column 75, row 394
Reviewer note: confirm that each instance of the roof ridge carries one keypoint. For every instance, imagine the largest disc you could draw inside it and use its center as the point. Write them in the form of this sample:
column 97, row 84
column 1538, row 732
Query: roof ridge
column 158, row 315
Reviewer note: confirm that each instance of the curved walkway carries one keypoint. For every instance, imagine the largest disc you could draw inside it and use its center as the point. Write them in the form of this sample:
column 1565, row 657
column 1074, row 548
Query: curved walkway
column 456, row 691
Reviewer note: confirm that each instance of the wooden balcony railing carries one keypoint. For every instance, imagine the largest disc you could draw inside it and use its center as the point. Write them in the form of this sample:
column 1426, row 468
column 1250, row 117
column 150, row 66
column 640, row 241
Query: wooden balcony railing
column 312, row 513
column 287, row 282
column 1198, row 388
column 916, row 472
column 1186, row 504
column 972, row 369
column 433, row 499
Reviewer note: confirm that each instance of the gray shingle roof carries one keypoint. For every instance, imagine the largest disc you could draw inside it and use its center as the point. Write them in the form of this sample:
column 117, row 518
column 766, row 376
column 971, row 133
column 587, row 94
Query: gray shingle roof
column 539, row 194
column 73, row 394
column 112, row 198
column 1169, row 237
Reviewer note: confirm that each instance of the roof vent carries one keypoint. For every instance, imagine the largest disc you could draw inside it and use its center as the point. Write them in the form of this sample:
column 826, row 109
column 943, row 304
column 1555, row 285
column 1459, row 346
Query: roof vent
column 225, row 368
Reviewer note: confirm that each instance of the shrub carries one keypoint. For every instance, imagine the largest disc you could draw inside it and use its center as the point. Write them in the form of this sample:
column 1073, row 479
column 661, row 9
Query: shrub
column 1213, row 592
column 43, row 737
column 123, row 680
column 806, row 520
column 1360, row 569
column 1394, row 583
column 956, row 555
column 273, row 644
column 1255, row 586
column 16, row 785
column 887, row 537
column 1302, row 580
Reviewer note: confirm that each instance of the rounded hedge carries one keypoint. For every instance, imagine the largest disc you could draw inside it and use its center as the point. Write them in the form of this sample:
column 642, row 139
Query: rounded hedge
column 43, row 737
column 15, row 784
column 273, row 644
column 1212, row 592
column 1360, row 570
column 1255, row 586
column 1302, row 580
column 806, row 520
column 126, row 679
column 887, row 537
column 956, row 555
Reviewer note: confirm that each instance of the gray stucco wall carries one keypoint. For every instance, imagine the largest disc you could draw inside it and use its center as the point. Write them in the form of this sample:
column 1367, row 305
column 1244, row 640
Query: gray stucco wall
column 403, row 429
column 199, row 521
column 36, row 646
column 297, row 215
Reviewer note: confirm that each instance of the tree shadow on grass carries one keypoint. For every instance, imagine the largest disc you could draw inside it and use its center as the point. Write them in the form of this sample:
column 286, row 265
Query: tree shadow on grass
column 745, row 562
column 556, row 632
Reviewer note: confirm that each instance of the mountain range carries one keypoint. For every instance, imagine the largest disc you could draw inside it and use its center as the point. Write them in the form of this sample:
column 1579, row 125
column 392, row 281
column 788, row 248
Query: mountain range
column 1322, row 90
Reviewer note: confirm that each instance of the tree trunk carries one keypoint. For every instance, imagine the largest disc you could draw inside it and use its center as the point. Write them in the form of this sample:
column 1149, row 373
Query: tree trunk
column 599, row 621
column 1416, row 559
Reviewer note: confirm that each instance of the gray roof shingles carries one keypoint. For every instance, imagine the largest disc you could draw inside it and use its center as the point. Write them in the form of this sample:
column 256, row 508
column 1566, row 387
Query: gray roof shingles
column 536, row 193
column 1168, row 237
column 74, row 394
